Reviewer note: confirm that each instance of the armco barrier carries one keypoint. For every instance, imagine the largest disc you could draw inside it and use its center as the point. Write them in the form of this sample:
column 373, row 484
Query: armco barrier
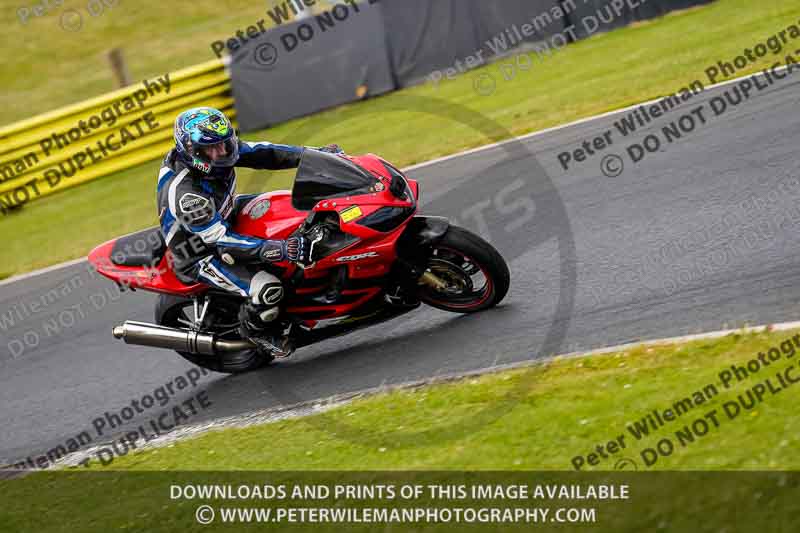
column 38, row 157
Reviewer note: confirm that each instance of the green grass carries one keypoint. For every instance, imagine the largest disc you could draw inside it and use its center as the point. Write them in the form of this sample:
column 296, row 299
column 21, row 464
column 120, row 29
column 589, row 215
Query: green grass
column 46, row 67
column 515, row 421
column 605, row 72
column 533, row 419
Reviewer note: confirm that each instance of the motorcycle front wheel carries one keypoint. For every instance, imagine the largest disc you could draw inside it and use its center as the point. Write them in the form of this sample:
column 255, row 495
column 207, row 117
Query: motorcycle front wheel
column 475, row 275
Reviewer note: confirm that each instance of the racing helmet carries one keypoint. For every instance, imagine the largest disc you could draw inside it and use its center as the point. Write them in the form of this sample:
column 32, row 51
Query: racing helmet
column 206, row 140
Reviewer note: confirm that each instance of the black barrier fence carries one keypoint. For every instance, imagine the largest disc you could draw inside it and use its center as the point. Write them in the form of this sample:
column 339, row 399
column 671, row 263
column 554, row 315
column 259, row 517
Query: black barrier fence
column 362, row 49
column 425, row 36
column 594, row 16
column 311, row 64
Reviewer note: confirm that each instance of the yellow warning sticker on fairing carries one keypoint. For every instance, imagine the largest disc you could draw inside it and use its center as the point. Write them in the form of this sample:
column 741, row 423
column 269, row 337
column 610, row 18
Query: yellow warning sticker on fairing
column 351, row 213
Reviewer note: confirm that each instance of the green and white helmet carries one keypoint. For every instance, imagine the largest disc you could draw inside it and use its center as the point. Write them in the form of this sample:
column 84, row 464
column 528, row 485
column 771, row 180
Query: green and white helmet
column 206, row 140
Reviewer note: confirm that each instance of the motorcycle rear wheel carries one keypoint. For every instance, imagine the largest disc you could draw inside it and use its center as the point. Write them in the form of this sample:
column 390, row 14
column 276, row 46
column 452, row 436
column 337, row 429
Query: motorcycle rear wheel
column 171, row 311
column 476, row 275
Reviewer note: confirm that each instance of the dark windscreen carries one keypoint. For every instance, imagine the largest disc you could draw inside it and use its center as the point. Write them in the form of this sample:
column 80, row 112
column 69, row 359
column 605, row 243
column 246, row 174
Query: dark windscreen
column 322, row 175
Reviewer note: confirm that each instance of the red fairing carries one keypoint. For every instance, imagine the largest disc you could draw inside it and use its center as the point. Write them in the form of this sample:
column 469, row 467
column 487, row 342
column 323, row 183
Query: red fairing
column 278, row 222
column 272, row 216
column 159, row 279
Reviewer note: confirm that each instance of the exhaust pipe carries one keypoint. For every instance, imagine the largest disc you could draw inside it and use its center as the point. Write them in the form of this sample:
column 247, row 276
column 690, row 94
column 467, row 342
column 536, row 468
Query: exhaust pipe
column 182, row 340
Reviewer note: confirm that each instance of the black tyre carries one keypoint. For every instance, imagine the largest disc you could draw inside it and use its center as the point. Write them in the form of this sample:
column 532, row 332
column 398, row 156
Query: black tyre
column 175, row 312
column 476, row 274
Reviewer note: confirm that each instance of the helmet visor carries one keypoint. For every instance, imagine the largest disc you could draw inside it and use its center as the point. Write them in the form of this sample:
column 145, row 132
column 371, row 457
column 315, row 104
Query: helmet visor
column 221, row 154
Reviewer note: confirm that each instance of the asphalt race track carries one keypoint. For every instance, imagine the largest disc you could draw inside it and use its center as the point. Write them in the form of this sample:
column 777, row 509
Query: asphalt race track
column 699, row 235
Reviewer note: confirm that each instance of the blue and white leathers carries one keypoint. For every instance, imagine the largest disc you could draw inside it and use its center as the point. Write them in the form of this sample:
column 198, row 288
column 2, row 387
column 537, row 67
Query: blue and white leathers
column 195, row 210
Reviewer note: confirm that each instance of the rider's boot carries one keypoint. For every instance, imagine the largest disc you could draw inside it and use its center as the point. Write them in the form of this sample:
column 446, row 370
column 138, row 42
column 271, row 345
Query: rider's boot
column 259, row 324
column 258, row 316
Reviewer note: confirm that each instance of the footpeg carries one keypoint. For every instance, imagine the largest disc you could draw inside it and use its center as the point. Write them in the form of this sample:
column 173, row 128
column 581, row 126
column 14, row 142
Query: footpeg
column 278, row 350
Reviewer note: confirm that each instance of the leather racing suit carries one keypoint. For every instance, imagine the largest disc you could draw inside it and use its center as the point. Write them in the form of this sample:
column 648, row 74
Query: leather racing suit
column 195, row 211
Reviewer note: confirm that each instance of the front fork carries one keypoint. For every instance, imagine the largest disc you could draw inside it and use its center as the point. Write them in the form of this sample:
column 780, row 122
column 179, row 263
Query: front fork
column 433, row 281
column 415, row 247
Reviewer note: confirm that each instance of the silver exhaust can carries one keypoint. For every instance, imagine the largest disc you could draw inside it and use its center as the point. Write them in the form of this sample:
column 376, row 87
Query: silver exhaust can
column 181, row 340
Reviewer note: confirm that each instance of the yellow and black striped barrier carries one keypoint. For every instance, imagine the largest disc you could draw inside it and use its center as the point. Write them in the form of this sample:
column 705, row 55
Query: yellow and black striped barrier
column 103, row 135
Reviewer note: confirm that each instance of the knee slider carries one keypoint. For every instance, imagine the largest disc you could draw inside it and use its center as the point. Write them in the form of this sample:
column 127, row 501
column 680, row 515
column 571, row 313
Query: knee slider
column 266, row 289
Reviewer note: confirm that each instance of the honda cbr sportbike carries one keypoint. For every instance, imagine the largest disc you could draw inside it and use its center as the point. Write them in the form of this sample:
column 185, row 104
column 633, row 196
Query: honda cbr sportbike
column 374, row 259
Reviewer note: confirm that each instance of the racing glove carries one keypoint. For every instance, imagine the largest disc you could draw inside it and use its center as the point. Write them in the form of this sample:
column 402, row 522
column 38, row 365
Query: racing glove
column 332, row 149
column 295, row 249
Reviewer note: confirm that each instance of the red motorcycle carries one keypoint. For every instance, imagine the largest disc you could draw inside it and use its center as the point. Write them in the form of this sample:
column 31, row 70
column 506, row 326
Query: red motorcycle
column 374, row 259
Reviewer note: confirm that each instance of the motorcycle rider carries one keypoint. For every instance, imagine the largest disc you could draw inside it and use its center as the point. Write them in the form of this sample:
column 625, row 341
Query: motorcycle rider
column 196, row 201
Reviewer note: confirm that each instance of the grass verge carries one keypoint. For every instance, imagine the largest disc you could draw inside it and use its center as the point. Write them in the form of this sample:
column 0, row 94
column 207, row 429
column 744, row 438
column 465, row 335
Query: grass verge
column 537, row 418
column 605, row 72
column 46, row 65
